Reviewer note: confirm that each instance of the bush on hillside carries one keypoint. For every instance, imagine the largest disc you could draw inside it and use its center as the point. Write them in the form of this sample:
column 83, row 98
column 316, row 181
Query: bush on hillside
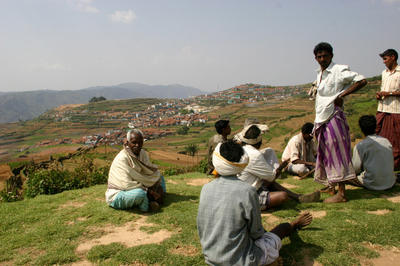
column 47, row 182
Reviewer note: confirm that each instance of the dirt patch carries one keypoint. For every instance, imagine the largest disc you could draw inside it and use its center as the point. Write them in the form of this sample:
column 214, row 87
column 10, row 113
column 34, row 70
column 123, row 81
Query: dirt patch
column 129, row 235
column 287, row 185
column 174, row 157
column 5, row 173
column 73, row 204
column 318, row 214
column 198, row 182
column 388, row 256
column 380, row 212
column 171, row 181
column 395, row 198
column 185, row 250
column 307, row 260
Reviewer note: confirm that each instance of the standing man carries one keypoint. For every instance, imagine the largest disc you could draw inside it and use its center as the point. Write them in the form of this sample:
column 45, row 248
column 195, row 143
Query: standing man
column 334, row 82
column 388, row 115
column 223, row 130
column 301, row 151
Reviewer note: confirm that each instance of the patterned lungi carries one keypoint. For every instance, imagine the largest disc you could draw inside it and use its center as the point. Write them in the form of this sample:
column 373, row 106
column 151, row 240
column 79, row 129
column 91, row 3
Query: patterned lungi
column 334, row 148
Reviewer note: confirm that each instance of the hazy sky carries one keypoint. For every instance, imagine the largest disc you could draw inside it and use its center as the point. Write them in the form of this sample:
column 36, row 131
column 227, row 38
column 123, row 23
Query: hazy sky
column 211, row 45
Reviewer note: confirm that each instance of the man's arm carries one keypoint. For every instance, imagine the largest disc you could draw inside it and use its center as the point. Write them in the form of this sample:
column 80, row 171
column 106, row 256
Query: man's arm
column 357, row 163
column 382, row 94
column 298, row 161
column 353, row 88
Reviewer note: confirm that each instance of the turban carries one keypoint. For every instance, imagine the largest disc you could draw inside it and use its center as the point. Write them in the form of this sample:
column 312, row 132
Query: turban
column 226, row 168
column 240, row 137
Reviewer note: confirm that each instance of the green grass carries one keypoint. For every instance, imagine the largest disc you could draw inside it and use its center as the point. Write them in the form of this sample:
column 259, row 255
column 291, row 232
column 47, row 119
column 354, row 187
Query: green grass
column 46, row 230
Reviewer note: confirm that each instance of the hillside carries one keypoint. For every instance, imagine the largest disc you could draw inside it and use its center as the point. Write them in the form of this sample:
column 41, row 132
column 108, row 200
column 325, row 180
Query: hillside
column 30, row 104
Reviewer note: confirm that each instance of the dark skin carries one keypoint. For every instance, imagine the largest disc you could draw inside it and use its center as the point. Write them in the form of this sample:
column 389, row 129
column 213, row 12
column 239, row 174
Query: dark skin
column 135, row 143
column 324, row 59
column 391, row 64
column 307, row 138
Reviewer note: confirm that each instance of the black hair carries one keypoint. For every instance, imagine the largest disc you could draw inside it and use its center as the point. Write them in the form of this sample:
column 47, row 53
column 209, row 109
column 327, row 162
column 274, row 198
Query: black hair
column 231, row 151
column 253, row 132
column 367, row 124
column 390, row 52
column 307, row 128
column 220, row 125
column 323, row 46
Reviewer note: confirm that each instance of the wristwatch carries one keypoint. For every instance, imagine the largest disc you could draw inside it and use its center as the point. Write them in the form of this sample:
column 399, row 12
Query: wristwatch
column 391, row 93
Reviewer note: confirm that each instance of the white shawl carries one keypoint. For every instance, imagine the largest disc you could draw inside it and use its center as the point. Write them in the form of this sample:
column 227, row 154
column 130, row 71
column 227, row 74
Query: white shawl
column 128, row 171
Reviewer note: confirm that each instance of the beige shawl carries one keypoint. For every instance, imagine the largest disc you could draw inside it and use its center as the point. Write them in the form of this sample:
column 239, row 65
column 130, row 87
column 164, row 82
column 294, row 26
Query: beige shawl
column 129, row 171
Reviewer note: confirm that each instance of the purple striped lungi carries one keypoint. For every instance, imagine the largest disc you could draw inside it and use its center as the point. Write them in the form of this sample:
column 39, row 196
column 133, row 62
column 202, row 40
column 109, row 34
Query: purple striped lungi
column 334, row 147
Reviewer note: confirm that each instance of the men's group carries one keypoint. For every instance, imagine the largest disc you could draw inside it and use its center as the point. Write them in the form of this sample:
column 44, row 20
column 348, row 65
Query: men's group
column 229, row 215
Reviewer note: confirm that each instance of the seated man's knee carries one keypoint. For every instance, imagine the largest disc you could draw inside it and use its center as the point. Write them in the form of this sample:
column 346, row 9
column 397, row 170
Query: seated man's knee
column 130, row 198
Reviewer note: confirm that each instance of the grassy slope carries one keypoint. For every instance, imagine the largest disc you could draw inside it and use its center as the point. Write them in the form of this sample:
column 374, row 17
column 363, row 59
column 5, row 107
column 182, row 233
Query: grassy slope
column 42, row 232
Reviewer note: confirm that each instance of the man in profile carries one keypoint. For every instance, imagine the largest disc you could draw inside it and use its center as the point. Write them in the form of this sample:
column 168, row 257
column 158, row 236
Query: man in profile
column 334, row 82
column 373, row 158
column 388, row 115
column 301, row 151
column 133, row 180
column 229, row 217
column 223, row 129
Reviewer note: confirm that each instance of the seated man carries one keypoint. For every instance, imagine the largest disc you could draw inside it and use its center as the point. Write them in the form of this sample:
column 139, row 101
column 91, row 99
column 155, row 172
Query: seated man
column 373, row 158
column 223, row 130
column 301, row 151
column 229, row 218
column 264, row 168
column 133, row 180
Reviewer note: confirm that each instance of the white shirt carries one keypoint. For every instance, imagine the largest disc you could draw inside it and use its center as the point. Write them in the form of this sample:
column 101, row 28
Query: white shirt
column 330, row 84
column 298, row 149
column 373, row 160
column 390, row 83
column 257, row 169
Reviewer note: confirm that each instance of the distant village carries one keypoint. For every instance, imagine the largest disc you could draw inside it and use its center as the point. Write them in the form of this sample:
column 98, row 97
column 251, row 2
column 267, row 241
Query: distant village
column 184, row 112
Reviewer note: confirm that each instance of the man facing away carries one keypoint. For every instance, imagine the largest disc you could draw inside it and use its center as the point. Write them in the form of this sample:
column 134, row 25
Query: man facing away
column 334, row 82
column 133, row 180
column 223, row 129
column 229, row 217
column 261, row 173
column 301, row 151
column 388, row 115
column 373, row 158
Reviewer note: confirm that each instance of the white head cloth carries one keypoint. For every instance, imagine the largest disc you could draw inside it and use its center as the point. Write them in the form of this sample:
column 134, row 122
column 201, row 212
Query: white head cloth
column 225, row 167
column 240, row 137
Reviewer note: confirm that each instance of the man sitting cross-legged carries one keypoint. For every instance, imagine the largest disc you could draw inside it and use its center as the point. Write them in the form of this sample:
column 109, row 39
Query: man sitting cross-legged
column 133, row 180
column 261, row 174
column 373, row 158
column 301, row 151
column 229, row 217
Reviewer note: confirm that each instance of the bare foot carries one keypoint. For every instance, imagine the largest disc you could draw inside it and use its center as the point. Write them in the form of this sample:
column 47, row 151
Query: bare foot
column 304, row 220
column 277, row 262
column 311, row 197
column 336, row 199
column 329, row 189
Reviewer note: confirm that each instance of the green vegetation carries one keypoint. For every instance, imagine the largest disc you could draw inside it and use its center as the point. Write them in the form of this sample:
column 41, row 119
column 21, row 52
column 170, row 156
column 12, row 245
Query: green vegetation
column 192, row 149
column 47, row 229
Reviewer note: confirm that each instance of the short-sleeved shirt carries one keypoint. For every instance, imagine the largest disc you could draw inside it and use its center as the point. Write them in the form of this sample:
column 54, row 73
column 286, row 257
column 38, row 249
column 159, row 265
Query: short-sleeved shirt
column 330, row 84
column 229, row 221
column 390, row 83
column 298, row 149
column 373, row 161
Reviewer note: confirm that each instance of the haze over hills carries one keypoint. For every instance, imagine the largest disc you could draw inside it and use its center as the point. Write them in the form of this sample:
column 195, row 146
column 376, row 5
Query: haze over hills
column 30, row 104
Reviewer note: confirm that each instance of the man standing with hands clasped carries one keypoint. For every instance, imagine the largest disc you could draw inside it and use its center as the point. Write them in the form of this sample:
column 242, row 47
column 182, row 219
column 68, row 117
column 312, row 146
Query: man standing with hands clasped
column 334, row 82
column 388, row 115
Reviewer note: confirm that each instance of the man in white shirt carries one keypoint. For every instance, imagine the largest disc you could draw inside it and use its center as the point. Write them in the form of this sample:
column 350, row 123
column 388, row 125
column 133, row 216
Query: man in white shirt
column 388, row 115
column 333, row 163
column 261, row 174
column 301, row 151
column 373, row 158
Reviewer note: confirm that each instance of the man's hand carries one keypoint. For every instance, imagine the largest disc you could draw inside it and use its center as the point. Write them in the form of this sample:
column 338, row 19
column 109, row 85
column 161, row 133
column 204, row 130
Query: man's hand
column 338, row 101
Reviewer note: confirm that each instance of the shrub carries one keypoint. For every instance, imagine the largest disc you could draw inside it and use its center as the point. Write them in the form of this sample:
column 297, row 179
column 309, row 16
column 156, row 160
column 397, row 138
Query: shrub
column 49, row 182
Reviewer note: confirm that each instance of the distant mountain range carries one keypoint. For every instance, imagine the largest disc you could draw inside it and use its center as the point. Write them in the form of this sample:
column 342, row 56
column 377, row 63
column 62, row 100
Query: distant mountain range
column 30, row 104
